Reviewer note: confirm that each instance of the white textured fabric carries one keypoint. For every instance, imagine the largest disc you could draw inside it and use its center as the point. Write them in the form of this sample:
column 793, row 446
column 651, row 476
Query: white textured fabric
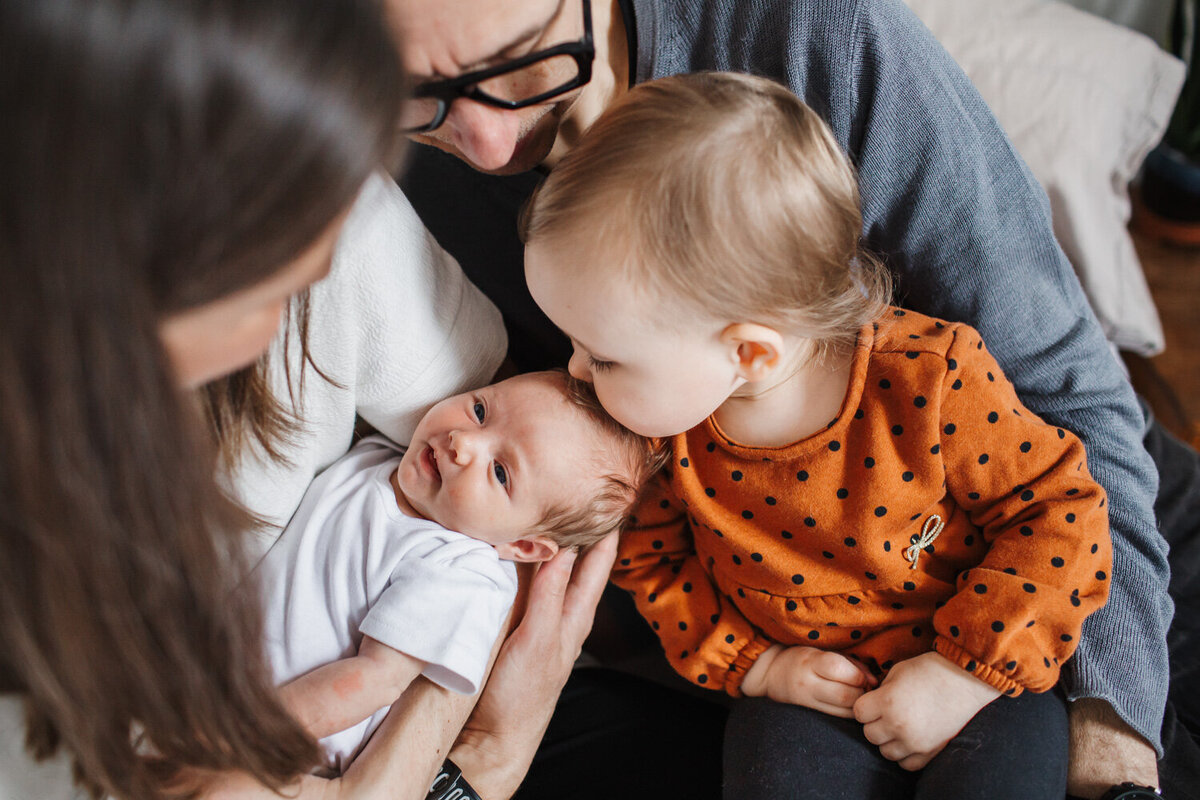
column 1083, row 100
column 398, row 327
column 21, row 778
column 351, row 563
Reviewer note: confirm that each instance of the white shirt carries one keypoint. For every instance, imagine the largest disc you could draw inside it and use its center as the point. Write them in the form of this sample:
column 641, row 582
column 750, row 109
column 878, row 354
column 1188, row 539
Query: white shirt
column 351, row 562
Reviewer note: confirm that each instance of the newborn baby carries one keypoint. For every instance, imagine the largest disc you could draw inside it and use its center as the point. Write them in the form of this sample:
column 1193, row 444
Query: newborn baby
column 398, row 562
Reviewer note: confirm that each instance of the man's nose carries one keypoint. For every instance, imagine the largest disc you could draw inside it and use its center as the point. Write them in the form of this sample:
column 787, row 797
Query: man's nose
column 486, row 136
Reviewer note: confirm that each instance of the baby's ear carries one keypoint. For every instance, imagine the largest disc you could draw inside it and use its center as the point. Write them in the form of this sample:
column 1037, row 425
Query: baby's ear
column 530, row 549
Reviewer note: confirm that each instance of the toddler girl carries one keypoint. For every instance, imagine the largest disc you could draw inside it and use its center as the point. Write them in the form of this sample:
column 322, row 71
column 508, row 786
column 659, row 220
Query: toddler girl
column 861, row 522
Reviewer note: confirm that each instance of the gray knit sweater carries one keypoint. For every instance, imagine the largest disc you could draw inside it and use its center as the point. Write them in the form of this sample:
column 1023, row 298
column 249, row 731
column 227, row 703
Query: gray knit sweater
column 959, row 220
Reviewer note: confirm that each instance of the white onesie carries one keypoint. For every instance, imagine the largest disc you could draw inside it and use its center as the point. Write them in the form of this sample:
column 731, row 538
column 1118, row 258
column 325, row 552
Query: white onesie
column 351, row 563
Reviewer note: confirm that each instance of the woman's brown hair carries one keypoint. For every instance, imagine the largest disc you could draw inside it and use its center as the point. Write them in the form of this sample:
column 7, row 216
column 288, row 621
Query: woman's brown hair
column 156, row 155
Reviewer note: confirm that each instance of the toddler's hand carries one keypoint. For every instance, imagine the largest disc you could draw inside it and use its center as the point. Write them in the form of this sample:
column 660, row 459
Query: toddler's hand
column 805, row 676
column 921, row 705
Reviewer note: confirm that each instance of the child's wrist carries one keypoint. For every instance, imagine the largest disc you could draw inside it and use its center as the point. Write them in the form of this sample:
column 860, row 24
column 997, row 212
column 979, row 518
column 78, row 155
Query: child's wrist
column 755, row 682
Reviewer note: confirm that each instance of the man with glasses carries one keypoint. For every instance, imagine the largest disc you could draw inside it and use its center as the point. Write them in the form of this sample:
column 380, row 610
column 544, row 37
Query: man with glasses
column 504, row 112
column 505, row 89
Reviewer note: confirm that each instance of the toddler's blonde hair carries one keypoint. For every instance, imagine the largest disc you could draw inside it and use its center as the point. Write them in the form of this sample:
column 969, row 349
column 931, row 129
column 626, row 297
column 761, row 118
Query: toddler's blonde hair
column 728, row 192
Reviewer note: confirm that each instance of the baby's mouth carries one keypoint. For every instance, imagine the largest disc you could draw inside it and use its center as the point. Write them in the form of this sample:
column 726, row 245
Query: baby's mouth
column 430, row 459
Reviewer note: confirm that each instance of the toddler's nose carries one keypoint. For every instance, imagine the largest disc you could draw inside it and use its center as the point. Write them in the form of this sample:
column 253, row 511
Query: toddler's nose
column 578, row 367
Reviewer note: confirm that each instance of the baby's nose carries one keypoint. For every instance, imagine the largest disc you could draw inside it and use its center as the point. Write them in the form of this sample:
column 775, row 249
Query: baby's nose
column 463, row 447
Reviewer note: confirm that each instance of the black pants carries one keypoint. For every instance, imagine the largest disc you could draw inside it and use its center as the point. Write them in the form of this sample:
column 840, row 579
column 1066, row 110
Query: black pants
column 615, row 736
column 618, row 736
column 1178, row 510
column 1013, row 749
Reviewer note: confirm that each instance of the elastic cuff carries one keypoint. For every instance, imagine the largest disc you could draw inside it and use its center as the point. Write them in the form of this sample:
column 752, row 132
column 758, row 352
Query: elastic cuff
column 985, row 672
column 741, row 665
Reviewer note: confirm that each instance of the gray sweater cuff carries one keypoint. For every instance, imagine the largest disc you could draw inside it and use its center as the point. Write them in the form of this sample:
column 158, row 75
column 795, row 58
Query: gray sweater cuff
column 1121, row 661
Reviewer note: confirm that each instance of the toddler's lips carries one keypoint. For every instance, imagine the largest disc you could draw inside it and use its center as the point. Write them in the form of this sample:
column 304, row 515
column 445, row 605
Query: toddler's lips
column 429, row 458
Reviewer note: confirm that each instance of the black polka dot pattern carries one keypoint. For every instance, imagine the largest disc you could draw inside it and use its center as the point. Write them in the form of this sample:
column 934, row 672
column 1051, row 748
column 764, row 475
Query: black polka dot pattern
column 775, row 529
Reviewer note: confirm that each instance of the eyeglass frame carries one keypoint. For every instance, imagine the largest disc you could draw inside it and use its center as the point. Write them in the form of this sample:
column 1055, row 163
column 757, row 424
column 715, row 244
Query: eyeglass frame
column 448, row 90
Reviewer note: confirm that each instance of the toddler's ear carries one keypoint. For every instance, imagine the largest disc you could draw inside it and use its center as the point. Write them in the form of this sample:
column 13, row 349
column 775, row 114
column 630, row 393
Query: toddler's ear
column 530, row 549
column 756, row 349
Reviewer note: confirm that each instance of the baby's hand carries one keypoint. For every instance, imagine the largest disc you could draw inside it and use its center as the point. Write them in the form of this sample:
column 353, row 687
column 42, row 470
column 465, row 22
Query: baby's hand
column 805, row 676
column 921, row 705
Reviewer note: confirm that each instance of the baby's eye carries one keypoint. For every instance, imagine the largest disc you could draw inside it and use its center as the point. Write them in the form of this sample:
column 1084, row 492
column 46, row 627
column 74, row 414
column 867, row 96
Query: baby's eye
column 479, row 410
column 600, row 366
column 501, row 474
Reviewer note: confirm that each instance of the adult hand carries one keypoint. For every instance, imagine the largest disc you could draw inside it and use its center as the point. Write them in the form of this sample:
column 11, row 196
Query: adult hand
column 1106, row 751
column 503, row 732
column 921, row 705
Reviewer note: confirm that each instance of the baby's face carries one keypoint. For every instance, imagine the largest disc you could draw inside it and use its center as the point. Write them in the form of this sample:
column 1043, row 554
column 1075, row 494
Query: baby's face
column 490, row 463
column 657, row 375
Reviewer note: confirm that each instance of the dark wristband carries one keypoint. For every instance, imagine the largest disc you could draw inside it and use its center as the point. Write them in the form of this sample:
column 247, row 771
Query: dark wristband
column 451, row 785
column 1131, row 791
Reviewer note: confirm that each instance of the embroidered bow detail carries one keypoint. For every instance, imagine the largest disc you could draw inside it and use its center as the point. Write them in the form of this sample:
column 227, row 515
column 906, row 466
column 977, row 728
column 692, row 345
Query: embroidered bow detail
column 933, row 526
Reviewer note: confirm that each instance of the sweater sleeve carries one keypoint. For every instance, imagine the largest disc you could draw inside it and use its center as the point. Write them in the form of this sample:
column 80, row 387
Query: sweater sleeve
column 705, row 638
column 1016, row 617
column 966, row 229
column 423, row 330
column 393, row 329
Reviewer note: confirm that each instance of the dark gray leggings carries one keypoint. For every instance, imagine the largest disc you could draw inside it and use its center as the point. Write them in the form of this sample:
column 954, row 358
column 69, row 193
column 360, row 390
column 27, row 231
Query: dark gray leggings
column 1014, row 748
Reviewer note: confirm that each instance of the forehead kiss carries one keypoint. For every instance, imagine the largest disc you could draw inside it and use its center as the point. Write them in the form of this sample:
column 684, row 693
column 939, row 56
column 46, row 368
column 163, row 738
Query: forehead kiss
column 659, row 367
column 517, row 448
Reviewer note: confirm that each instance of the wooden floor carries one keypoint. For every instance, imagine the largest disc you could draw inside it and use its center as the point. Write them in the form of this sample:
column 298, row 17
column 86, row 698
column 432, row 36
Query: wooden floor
column 1174, row 278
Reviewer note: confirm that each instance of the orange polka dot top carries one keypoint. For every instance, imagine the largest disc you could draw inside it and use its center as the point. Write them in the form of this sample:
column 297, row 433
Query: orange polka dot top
column 935, row 511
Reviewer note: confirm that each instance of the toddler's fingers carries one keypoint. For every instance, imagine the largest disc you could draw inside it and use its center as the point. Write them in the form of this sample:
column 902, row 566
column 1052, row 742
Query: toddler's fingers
column 871, row 680
column 832, row 710
column 868, row 708
column 895, row 750
column 915, row 762
column 877, row 733
column 836, row 667
column 837, row 694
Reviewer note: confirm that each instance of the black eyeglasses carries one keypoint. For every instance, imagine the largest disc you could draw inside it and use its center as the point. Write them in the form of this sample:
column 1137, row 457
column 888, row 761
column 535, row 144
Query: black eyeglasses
column 524, row 81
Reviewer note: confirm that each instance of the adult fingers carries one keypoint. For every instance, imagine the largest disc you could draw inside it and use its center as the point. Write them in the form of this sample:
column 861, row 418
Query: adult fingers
column 547, row 592
column 914, row 762
column 588, row 582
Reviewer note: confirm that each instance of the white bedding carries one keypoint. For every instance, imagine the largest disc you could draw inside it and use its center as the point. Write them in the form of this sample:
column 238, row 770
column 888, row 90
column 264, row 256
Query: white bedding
column 1083, row 101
